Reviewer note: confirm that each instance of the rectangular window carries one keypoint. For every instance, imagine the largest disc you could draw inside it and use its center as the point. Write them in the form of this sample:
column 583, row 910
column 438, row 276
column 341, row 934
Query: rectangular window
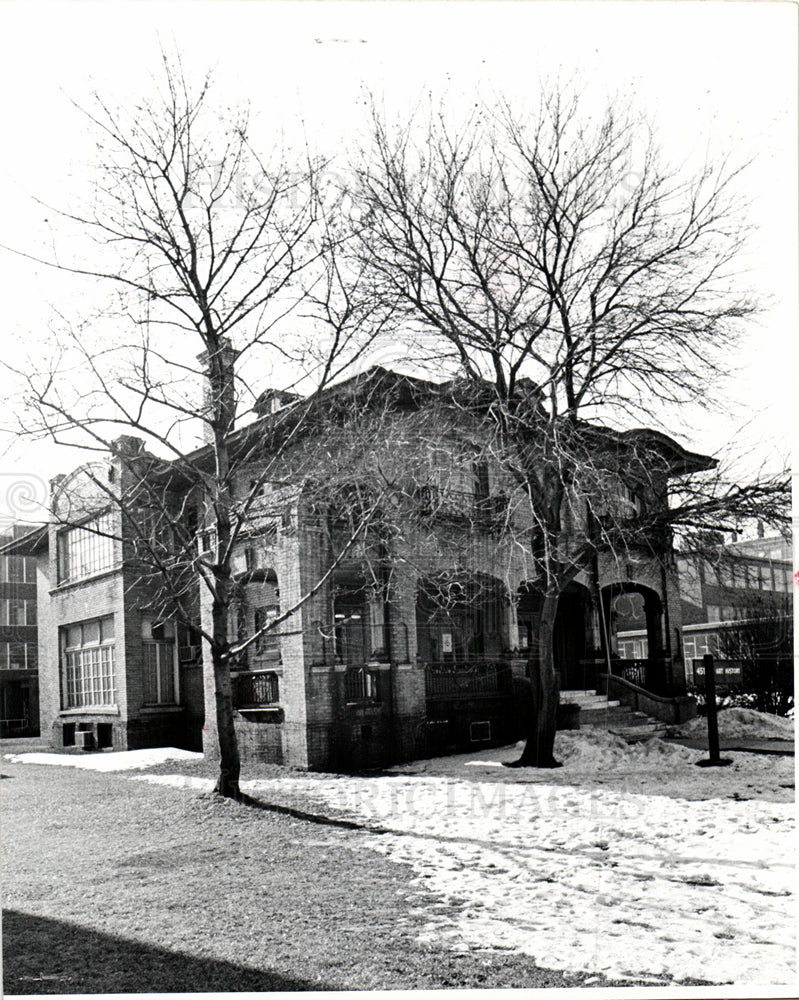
column 159, row 673
column 86, row 550
column 17, row 569
column 17, row 611
column 268, row 641
column 88, row 662
column 18, row 655
column 158, row 655
column 713, row 613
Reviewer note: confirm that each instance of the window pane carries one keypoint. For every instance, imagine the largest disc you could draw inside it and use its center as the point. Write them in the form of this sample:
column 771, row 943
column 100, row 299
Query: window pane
column 167, row 674
column 17, row 654
column 91, row 633
column 150, row 658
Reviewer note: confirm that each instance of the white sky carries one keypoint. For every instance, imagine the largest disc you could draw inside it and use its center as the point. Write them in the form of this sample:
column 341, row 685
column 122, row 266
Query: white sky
column 715, row 77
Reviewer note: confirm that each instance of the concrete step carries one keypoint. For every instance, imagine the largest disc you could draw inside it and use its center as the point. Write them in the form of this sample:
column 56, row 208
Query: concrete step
column 585, row 699
column 605, row 716
column 596, row 712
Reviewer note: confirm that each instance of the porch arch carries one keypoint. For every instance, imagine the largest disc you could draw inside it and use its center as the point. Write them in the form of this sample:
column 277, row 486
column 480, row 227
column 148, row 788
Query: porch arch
column 644, row 604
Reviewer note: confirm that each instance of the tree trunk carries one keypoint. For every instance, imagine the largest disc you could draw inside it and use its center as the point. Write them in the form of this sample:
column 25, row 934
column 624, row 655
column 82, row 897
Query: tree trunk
column 220, row 375
column 539, row 748
column 229, row 761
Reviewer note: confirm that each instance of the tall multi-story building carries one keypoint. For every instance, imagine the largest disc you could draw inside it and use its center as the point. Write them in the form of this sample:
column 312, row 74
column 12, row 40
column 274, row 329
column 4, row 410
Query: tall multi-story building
column 19, row 685
column 404, row 636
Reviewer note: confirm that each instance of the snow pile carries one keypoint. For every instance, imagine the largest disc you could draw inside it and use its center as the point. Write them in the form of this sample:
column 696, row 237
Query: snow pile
column 123, row 760
column 584, row 752
column 597, row 750
column 743, row 722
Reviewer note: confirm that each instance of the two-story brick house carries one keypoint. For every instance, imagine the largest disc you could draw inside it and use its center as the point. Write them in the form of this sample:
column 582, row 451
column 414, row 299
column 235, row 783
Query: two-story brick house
column 409, row 629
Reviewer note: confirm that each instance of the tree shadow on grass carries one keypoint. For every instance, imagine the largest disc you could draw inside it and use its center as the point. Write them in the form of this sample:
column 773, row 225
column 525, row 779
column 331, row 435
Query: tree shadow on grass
column 309, row 817
column 44, row 956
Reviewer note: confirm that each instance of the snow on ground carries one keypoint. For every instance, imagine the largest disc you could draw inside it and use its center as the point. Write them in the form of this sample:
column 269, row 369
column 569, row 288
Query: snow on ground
column 743, row 722
column 124, row 760
column 581, row 873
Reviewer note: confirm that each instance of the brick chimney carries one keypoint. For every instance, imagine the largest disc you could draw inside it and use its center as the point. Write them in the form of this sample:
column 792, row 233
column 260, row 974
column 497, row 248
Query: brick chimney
column 218, row 368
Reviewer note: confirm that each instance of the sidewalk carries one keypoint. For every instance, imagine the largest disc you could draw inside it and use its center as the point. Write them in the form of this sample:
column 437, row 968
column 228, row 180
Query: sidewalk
column 741, row 744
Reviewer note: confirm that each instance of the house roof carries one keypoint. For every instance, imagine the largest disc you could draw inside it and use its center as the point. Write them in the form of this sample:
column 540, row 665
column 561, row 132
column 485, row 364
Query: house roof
column 27, row 544
column 378, row 385
column 375, row 385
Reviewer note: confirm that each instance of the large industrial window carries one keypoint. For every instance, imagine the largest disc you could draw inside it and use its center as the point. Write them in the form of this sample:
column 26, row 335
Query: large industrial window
column 86, row 550
column 88, row 658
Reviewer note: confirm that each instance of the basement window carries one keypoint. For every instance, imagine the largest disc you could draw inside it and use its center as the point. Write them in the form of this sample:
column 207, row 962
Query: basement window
column 480, row 732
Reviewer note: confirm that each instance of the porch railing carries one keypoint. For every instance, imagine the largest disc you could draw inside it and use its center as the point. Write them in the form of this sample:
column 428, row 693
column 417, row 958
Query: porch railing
column 444, row 680
column 635, row 671
column 255, row 688
column 461, row 505
column 361, row 685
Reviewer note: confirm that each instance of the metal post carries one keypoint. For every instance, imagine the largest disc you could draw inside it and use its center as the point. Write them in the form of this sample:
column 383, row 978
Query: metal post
column 714, row 759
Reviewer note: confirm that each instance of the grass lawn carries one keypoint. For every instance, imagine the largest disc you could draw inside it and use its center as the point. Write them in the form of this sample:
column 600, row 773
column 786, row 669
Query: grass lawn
column 114, row 885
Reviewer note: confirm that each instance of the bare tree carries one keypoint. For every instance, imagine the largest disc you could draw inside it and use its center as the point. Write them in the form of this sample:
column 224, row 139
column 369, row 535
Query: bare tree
column 563, row 273
column 209, row 249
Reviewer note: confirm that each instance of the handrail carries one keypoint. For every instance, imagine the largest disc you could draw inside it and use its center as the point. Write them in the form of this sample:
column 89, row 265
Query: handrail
column 671, row 709
column 665, row 699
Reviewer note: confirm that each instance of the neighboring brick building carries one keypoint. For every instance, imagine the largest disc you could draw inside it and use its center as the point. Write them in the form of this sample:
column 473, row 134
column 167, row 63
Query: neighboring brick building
column 19, row 666
column 729, row 583
column 409, row 646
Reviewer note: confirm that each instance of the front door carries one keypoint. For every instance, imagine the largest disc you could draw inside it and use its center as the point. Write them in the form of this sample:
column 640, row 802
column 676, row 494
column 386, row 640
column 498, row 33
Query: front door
column 569, row 641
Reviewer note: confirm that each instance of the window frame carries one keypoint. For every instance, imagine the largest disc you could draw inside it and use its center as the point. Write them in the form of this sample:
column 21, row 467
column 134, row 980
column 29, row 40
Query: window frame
column 93, row 544
column 160, row 639
column 95, row 673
